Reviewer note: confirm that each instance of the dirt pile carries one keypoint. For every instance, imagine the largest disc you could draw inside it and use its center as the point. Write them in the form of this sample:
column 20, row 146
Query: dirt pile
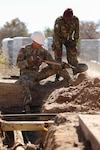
column 64, row 134
column 68, row 103
column 83, row 97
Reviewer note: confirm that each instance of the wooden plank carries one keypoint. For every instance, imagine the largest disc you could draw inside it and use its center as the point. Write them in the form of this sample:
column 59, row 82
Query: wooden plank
column 1, row 143
column 25, row 125
column 28, row 115
column 90, row 125
column 18, row 138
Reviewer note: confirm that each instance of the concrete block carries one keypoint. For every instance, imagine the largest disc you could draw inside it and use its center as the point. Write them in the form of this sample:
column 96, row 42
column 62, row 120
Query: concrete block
column 90, row 125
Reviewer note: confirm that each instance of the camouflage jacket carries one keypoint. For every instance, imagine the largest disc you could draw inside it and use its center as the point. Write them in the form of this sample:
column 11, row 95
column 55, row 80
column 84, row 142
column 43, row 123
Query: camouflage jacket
column 28, row 51
column 63, row 31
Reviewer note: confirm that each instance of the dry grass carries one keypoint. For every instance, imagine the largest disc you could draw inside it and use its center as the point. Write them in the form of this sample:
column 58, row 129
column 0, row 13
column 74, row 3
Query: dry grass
column 6, row 71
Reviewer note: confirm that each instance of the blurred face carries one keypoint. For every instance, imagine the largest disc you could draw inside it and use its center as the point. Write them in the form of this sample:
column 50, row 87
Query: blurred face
column 36, row 45
column 68, row 20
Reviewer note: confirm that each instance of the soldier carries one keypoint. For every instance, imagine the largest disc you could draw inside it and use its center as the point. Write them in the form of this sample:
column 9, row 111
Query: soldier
column 29, row 60
column 66, row 31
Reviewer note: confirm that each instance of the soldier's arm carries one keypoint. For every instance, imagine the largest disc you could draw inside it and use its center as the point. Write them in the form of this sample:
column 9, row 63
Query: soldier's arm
column 57, row 31
column 21, row 61
column 76, row 36
column 48, row 59
column 57, row 39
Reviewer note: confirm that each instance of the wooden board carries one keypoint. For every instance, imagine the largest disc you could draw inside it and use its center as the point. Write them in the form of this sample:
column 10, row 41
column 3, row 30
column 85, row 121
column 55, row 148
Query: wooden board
column 25, row 125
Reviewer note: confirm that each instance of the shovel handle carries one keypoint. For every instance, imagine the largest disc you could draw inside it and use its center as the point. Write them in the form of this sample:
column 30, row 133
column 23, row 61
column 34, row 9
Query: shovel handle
column 55, row 63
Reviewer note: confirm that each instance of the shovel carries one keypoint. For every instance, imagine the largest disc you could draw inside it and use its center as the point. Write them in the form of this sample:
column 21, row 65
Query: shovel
column 81, row 67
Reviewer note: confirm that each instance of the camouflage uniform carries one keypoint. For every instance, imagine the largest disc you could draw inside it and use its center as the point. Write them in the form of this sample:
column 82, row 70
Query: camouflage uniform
column 30, row 73
column 67, row 35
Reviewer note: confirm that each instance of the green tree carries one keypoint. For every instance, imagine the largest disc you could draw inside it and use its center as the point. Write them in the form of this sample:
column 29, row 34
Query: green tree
column 89, row 30
column 15, row 28
column 48, row 32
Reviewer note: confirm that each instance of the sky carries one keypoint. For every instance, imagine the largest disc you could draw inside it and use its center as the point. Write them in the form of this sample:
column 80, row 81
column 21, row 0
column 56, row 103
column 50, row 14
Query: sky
column 41, row 14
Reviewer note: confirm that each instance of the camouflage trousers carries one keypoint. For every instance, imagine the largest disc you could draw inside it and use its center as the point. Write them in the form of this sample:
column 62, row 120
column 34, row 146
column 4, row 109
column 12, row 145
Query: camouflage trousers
column 29, row 79
column 71, row 54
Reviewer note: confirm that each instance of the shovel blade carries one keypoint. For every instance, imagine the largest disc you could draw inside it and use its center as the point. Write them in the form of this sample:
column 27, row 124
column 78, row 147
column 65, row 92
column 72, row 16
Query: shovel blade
column 81, row 67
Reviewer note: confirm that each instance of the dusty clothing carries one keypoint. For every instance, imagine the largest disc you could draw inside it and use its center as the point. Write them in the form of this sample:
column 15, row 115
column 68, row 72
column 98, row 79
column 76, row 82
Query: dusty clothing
column 30, row 73
column 68, row 35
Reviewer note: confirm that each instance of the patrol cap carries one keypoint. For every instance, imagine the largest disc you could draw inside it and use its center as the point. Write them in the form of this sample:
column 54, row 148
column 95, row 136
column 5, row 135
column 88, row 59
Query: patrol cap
column 68, row 13
column 38, row 37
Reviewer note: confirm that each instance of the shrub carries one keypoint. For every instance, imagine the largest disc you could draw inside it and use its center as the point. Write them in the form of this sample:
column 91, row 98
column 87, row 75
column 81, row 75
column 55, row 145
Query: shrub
column 3, row 60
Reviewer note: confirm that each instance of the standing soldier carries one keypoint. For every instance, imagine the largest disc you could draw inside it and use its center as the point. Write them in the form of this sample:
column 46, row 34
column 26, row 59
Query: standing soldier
column 66, row 31
column 29, row 60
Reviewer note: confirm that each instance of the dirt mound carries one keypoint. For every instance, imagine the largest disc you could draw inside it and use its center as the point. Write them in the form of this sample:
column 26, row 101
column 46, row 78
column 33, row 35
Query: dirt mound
column 68, row 103
column 83, row 97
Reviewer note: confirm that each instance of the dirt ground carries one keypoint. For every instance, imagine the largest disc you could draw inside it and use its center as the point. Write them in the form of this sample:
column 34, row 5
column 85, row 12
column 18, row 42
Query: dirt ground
column 67, row 102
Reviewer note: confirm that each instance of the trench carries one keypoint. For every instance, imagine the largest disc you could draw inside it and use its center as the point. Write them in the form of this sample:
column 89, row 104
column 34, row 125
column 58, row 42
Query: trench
column 18, row 114
column 33, row 136
column 28, row 136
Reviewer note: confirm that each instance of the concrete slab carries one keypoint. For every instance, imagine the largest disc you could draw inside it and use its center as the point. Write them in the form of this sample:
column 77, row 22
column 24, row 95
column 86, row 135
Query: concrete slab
column 90, row 125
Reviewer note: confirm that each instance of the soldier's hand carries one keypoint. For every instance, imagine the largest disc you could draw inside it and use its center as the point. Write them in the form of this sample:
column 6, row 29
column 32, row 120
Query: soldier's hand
column 40, row 59
column 53, row 47
column 63, row 65
column 74, row 49
column 30, row 59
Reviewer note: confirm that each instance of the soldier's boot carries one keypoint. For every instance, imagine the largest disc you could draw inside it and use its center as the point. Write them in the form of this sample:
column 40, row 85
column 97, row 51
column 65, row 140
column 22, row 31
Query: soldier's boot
column 27, row 108
column 27, row 103
column 57, row 77
column 27, row 99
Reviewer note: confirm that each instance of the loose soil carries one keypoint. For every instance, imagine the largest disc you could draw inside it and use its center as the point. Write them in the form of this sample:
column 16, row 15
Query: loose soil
column 67, row 102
